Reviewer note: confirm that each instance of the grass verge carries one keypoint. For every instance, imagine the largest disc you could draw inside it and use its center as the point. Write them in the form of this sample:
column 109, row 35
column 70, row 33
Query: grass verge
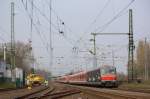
column 7, row 85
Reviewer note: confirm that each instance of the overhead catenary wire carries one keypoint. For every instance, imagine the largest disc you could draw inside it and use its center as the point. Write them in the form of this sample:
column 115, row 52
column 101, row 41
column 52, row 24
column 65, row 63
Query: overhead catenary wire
column 119, row 14
column 118, row 49
column 38, row 22
column 62, row 23
column 53, row 25
column 3, row 32
column 57, row 28
column 45, row 17
column 43, row 14
column 36, row 28
column 93, row 22
column 98, row 15
column 115, row 17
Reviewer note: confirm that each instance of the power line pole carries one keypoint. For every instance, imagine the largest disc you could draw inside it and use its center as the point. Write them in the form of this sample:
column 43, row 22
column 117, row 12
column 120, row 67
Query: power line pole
column 94, row 52
column 113, row 57
column 30, row 41
column 31, row 19
column 12, row 37
column 50, row 33
column 146, row 66
column 131, row 72
column 4, row 46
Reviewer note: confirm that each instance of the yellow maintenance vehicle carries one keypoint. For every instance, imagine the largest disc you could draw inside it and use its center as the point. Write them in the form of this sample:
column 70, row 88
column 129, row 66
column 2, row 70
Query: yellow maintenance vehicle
column 34, row 79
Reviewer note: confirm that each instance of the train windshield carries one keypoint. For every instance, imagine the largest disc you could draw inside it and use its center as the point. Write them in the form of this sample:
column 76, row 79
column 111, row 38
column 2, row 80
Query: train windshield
column 108, row 71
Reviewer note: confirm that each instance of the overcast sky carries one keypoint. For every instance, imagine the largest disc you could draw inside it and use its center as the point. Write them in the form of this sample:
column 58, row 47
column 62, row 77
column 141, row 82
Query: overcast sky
column 80, row 18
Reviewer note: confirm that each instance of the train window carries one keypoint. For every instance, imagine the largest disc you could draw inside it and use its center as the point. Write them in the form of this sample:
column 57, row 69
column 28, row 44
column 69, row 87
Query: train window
column 108, row 71
column 112, row 71
column 103, row 71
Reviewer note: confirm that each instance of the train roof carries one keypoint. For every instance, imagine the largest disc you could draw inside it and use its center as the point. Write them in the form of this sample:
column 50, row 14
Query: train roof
column 107, row 66
column 78, row 73
column 103, row 66
column 83, row 72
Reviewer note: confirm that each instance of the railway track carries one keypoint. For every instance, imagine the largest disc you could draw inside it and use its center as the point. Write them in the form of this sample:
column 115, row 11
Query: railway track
column 35, row 94
column 48, row 92
column 134, row 90
column 12, row 94
column 10, row 89
column 65, row 91
column 104, row 93
column 108, row 95
column 60, row 94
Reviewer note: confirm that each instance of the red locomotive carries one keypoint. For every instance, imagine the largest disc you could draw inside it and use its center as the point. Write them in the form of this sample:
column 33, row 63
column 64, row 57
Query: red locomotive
column 103, row 76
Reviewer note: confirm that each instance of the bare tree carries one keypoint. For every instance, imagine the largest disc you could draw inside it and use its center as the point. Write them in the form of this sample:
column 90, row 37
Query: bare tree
column 23, row 55
column 148, row 60
column 143, row 57
column 140, row 59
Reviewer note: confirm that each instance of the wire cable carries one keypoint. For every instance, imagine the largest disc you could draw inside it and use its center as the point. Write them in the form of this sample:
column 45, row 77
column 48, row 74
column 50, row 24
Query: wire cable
column 98, row 15
column 109, row 22
column 36, row 28
column 3, row 32
column 114, row 18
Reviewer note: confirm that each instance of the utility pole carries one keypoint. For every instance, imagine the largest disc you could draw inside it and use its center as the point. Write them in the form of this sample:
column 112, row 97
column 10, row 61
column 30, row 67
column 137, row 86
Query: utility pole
column 50, row 33
column 131, row 72
column 4, row 46
column 30, row 41
column 94, row 40
column 146, row 67
column 31, row 27
column 113, row 58
column 12, row 37
column 94, row 52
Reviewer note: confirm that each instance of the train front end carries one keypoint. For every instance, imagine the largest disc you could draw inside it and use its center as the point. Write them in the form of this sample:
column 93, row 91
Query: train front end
column 108, row 76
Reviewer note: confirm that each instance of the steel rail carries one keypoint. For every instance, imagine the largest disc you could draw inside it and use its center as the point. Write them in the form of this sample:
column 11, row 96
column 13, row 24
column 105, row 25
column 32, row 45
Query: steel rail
column 112, row 94
column 61, row 94
column 10, row 89
column 30, row 94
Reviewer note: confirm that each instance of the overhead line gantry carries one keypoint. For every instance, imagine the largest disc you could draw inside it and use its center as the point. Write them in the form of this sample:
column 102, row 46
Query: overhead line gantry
column 131, row 71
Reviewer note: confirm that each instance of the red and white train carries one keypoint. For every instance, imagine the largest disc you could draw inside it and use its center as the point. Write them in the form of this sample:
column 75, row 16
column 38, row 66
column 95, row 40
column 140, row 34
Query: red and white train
column 104, row 76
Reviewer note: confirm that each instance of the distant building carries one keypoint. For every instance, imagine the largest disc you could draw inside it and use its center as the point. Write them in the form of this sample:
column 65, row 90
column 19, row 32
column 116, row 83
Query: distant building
column 5, row 70
column 2, row 69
